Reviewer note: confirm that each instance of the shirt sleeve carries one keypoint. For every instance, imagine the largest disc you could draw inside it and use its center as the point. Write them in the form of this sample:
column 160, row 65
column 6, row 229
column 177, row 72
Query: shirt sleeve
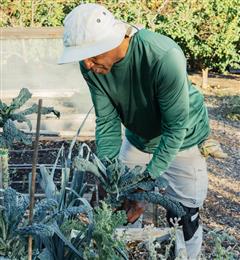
column 173, row 101
column 108, row 124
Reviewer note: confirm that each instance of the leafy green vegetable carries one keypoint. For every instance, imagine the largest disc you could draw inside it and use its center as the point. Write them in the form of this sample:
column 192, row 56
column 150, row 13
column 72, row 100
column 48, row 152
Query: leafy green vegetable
column 104, row 244
column 120, row 183
column 11, row 114
column 11, row 216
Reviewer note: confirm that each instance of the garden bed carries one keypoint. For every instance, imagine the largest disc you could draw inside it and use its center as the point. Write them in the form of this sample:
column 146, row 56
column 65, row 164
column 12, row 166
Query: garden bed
column 221, row 208
column 138, row 240
column 21, row 160
column 213, row 217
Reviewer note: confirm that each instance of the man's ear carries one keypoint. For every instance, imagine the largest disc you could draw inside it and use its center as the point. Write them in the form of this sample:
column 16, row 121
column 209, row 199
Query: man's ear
column 128, row 32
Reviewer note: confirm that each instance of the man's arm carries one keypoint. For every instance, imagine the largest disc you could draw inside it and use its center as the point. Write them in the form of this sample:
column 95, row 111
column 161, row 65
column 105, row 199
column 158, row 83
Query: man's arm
column 173, row 100
column 108, row 124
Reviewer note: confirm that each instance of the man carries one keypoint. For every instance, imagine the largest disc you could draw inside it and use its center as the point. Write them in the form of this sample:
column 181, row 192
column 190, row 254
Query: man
column 138, row 78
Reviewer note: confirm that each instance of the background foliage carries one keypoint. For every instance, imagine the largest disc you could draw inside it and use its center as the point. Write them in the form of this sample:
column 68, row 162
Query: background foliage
column 208, row 31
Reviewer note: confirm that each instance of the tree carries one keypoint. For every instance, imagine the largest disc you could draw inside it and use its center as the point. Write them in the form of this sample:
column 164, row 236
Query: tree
column 207, row 30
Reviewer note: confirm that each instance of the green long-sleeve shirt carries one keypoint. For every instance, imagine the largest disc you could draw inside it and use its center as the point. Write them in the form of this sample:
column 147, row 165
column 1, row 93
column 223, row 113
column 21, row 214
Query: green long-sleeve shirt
column 149, row 92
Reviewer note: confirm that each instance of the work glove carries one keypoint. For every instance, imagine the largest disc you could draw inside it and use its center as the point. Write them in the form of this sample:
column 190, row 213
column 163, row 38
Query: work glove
column 211, row 147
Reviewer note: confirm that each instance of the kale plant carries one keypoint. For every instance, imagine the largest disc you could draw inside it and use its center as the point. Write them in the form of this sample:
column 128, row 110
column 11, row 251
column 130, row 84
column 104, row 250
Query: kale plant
column 73, row 212
column 52, row 215
column 104, row 244
column 9, row 114
column 12, row 245
column 122, row 183
column 47, row 220
column 9, row 132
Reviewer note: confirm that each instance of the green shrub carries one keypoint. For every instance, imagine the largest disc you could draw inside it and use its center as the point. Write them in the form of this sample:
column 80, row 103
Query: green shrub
column 208, row 31
column 35, row 13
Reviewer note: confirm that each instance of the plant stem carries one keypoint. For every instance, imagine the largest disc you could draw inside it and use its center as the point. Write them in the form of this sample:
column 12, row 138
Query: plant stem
column 4, row 174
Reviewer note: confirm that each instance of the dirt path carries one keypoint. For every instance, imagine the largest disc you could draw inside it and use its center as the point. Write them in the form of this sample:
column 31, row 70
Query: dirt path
column 222, row 207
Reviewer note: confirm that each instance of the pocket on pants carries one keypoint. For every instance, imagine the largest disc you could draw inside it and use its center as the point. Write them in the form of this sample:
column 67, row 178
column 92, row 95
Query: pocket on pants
column 187, row 177
column 182, row 183
column 131, row 156
column 201, row 181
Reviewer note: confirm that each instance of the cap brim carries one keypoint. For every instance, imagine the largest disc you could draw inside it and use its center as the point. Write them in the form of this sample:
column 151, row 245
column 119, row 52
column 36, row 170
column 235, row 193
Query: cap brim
column 79, row 53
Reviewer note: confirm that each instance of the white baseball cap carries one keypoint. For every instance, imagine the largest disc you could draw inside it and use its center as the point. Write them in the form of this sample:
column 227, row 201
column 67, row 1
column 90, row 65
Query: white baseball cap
column 90, row 30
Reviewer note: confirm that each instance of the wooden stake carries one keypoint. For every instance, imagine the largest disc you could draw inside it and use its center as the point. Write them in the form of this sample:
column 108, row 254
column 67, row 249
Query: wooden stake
column 155, row 211
column 34, row 164
column 4, row 174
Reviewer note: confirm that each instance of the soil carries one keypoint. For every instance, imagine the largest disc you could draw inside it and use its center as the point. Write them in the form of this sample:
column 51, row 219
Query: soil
column 20, row 160
column 220, row 213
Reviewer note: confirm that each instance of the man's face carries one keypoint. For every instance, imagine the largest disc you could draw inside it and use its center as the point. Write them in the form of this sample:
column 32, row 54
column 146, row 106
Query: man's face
column 100, row 64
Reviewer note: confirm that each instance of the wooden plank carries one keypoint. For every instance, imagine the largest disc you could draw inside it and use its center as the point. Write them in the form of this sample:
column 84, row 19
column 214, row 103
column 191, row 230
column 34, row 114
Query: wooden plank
column 142, row 234
column 7, row 33
column 87, row 196
column 42, row 132
column 83, row 138
column 136, row 234
column 153, row 233
column 29, row 166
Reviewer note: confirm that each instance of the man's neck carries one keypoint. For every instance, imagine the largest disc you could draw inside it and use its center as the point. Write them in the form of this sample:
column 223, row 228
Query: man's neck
column 122, row 49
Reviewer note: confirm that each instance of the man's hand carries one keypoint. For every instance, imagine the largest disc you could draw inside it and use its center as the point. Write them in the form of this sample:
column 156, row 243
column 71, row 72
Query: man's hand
column 134, row 209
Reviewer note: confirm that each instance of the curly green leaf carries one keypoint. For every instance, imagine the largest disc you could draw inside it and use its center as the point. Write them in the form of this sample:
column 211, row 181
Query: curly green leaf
column 43, row 208
column 41, row 230
column 11, row 134
column 44, row 111
column 23, row 96
column 21, row 119
column 160, row 199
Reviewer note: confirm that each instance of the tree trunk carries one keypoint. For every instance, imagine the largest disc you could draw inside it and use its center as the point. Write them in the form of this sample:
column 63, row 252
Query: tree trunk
column 205, row 78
